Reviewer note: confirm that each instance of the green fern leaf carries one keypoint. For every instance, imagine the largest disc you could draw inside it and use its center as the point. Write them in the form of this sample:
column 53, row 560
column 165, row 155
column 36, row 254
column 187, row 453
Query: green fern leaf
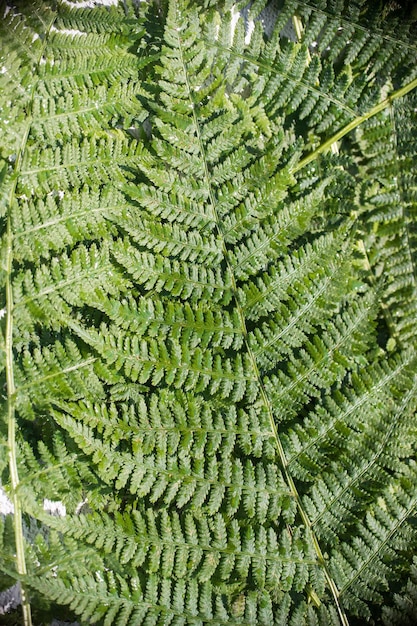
column 208, row 268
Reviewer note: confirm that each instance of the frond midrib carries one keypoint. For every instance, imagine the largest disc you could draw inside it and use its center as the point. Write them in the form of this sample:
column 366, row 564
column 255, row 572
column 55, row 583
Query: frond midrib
column 283, row 460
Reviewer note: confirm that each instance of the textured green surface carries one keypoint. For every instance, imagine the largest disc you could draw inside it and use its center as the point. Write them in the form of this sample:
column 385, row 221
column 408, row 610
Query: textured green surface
column 209, row 312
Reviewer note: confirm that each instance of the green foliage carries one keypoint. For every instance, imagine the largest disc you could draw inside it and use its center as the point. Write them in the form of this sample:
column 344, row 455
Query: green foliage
column 209, row 270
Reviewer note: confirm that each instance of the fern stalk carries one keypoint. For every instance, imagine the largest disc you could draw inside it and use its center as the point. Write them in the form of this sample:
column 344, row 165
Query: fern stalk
column 11, row 396
column 14, row 476
column 11, row 421
column 360, row 119
column 10, row 383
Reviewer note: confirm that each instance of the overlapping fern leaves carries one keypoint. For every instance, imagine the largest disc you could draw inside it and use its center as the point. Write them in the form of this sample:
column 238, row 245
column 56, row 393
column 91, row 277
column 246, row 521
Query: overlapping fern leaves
column 209, row 319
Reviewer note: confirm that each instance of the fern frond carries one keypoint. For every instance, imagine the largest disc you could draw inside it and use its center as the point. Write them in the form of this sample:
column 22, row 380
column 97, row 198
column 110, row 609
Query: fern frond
column 403, row 610
column 59, row 370
column 208, row 261
column 47, row 294
column 390, row 207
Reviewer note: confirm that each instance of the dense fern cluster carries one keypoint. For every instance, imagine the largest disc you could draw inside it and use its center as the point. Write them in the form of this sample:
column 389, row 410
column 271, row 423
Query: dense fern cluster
column 209, row 271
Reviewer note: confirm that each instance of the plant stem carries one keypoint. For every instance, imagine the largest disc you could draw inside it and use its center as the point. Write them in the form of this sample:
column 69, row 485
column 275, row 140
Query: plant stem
column 354, row 124
column 11, row 394
column 10, row 383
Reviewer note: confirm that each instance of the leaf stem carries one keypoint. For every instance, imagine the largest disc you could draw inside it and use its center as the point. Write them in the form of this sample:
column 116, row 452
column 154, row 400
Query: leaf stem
column 10, row 382
column 354, row 124
column 11, row 398
column 11, row 421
